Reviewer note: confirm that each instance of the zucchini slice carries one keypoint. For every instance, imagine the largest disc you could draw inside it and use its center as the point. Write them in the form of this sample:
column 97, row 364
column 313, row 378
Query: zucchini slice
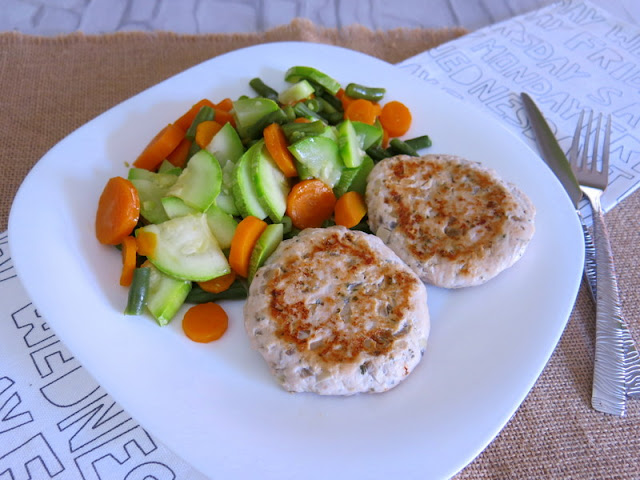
column 186, row 249
column 271, row 184
column 244, row 191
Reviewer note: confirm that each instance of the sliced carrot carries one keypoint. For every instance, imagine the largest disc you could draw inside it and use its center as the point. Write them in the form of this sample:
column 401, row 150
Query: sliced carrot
column 385, row 138
column 344, row 98
column 180, row 154
column 160, row 147
column 205, row 322
column 225, row 104
column 185, row 121
column 310, row 202
column 118, row 211
column 350, row 209
column 205, row 132
column 129, row 250
column 276, row 143
column 361, row 110
column 244, row 239
column 218, row 284
column 146, row 242
column 222, row 117
column 395, row 118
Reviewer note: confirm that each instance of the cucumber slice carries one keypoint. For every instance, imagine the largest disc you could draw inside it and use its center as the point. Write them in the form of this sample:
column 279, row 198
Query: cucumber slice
column 226, row 145
column 152, row 187
column 186, row 249
column 349, row 145
column 225, row 198
column 200, row 182
column 165, row 295
column 175, row 207
column 271, row 185
column 265, row 246
column 318, row 157
column 167, row 167
column 359, row 182
column 296, row 92
column 248, row 111
column 297, row 73
column 368, row 134
column 244, row 191
column 222, row 225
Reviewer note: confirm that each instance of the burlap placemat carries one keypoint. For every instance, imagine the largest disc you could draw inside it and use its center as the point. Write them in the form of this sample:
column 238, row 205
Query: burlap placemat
column 51, row 86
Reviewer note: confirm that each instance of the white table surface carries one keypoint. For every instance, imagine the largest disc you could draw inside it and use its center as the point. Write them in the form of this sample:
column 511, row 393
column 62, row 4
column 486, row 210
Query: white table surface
column 53, row 17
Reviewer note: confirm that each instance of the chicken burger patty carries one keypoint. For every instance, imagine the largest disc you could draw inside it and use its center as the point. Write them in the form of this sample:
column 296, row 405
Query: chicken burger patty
column 336, row 312
column 453, row 221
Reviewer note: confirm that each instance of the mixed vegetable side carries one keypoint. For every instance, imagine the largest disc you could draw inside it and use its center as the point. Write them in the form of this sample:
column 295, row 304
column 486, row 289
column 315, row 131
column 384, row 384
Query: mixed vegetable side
column 215, row 192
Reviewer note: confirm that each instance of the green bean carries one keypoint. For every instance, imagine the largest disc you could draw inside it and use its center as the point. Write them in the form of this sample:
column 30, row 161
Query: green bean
column 378, row 153
column 363, row 226
column 334, row 118
column 332, row 100
column 304, row 129
column 206, row 113
column 277, row 116
column 289, row 112
column 325, row 107
column 302, row 110
column 313, row 105
column 287, row 224
column 400, row 147
column 418, row 143
column 138, row 291
column 193, row 149
column 237, row 291
column 355, row 90
column 263, row 90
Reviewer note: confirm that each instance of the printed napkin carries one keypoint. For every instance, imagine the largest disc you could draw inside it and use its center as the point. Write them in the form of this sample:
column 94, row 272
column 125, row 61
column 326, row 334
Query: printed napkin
column 568, row 56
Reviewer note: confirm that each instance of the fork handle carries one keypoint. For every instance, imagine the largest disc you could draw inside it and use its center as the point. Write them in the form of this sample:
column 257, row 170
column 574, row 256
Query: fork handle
column 608, row 393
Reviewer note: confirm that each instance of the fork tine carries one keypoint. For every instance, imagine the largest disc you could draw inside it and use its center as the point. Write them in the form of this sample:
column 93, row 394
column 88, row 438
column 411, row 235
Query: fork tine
column 594, row 154
column 587, row 137
column 575, row 145
column 606, row 146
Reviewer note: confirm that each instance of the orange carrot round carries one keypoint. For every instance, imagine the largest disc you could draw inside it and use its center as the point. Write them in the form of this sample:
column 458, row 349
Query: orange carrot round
column 179, row 155
column 160, row 147
column 225, row 104
column 205, row 132
column 118, row 211
column 350, row 209
column 276, row 143
column 361, row 110
column 185, row 121
column 310, row 202
column 223, row 116
column 244, row 239
column 129, row 250
column 146, row 242
column 302, row 120
column 218, row 284
column 205, row 322
column 395, row 118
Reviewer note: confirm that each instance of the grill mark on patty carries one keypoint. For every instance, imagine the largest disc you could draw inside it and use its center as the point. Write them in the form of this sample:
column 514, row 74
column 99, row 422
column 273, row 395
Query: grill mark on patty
column 343, row 321
column 466, row 209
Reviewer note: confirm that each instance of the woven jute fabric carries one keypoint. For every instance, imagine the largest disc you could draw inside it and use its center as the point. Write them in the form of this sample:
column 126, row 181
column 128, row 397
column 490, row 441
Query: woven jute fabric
column 49, row 86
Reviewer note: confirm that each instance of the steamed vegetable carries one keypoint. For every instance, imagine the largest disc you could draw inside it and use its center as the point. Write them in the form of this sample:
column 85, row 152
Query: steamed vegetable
column 214, row 193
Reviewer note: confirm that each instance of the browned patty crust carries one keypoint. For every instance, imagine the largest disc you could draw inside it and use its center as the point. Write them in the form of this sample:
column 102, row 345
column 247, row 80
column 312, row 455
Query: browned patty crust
column 331, row 308
column 444, row 212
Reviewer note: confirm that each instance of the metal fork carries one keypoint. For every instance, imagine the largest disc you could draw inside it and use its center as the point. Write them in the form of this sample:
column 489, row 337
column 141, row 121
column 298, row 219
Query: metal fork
column 609, row 377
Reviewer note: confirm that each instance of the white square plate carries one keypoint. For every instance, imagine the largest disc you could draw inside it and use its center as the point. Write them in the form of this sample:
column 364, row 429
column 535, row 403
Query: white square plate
column 216, row 404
